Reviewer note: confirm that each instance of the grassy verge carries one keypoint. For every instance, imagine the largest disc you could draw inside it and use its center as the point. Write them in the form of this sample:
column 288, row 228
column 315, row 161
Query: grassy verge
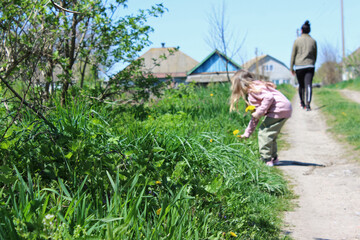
column 352, row 84
column 344, row 114
column 172, row 169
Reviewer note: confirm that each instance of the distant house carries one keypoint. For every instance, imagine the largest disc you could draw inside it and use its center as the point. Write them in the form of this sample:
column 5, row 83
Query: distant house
column 271, row 68
column 213, row 69
column 168, row 64
column 352, row 63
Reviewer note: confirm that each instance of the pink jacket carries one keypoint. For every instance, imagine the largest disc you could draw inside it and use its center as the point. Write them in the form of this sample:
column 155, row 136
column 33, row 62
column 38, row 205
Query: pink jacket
column 268, row 102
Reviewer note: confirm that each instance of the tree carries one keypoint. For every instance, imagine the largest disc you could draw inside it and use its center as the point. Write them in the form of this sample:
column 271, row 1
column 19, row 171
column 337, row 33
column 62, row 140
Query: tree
column 352, row 64
column 220, row 37
column 330, row 69
column 38, row 37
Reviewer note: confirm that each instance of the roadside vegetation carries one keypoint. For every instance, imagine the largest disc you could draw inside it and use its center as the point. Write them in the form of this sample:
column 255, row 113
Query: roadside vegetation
column 170, row 169
column 352, row 84
column 126, row 158
column 345, row 114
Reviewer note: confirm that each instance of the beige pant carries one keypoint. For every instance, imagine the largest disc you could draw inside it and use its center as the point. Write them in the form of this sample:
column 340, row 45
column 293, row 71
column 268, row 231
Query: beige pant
column 268, row 132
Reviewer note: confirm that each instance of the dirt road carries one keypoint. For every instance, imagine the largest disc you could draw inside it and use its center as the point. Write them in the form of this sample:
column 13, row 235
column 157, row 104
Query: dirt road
column 324, row 176
column 351, row 95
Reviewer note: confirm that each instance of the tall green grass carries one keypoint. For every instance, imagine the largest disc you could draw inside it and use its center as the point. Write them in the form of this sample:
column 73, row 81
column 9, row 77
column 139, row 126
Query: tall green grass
column 171, row 169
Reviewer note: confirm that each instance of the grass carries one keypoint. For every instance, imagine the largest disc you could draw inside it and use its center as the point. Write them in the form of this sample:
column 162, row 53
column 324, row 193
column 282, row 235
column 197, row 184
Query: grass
column 171, row 169
column 343, row 113
column 352, row 84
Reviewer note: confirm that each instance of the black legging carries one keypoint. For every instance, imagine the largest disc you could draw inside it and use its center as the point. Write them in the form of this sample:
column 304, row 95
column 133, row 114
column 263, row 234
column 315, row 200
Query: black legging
column 305, row 78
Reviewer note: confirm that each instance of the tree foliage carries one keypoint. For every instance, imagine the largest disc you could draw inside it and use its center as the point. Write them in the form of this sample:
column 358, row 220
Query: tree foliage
column 352, row 63
column 45, row 47
column 330, row 70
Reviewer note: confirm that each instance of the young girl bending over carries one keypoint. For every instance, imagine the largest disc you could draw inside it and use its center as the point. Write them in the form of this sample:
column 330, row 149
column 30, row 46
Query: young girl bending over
column 268, row 102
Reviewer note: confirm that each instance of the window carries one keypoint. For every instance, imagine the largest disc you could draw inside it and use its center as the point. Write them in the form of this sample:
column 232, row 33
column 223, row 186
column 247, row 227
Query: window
column 269, row 68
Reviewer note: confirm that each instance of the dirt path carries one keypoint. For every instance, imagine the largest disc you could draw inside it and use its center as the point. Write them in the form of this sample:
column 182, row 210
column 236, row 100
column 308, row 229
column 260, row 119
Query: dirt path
column 324, row 177
column 351, row 94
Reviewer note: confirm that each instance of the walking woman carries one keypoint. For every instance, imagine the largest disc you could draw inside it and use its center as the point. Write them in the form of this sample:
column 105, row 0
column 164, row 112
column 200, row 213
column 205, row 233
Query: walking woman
column 303, row 60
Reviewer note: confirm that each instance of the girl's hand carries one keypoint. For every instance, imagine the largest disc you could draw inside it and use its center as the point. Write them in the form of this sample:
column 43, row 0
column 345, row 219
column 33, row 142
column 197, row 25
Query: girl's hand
column 255, row 115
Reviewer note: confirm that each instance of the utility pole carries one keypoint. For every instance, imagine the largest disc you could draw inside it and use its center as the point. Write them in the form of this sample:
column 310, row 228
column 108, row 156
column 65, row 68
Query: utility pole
column 344, row 75
column 257, row 64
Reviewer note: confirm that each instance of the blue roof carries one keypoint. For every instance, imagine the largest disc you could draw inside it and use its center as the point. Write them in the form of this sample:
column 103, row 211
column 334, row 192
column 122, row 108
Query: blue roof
column 215, row 62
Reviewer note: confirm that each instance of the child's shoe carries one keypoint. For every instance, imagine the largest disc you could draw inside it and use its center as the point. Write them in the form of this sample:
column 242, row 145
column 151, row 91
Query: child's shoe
column 270, row 163
column 275, row 161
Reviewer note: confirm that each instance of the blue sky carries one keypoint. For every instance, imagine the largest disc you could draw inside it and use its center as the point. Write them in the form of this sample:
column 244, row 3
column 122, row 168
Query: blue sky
column 268, row 25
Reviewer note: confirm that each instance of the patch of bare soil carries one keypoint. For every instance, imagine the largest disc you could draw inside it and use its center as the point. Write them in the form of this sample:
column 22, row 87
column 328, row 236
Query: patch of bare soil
column 351, row 95
column 323, row 175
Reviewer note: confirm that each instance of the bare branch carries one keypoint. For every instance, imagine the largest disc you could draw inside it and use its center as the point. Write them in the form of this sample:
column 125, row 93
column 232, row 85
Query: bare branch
column 63, row 9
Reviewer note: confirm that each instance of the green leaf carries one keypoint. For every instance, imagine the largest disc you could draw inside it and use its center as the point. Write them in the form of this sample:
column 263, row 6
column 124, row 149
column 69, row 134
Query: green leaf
column 69, row 155
column 158, row 149
column 215, row 185
column 4, row 145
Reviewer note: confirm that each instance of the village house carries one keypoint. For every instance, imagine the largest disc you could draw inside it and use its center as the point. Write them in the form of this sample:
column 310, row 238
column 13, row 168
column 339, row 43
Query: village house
column 271, row 69
column 216, row 67
column 168, row 64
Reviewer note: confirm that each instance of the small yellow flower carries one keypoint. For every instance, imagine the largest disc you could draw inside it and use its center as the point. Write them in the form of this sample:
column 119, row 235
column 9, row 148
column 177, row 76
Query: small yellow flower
column 211, row 140
column 211, row 94
column 343, row 114
column 250, row 108
column 236, row 132
column 158, row 182
column 158, row 211
column 233, row 234
column 149, row 116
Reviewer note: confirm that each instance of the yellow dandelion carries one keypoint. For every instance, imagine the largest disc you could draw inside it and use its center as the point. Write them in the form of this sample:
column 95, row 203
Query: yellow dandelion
column 149, row 116
column 236, row 132
column 158, row 211
column 158, row 182
column 250, row 108
column 343, row 114
column 211, row 140
column 211, row 94
column 233, row 234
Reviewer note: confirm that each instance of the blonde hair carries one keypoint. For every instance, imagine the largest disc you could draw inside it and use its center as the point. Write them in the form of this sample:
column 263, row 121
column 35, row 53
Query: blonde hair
column 242, row 84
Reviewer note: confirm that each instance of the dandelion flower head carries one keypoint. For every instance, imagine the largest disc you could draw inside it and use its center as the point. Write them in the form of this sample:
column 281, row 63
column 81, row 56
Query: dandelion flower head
column 250, row 108
column 158, row 211
column 233, row 234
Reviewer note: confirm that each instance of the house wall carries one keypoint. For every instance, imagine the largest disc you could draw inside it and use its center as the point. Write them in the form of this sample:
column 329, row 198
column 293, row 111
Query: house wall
column 276, row 72
column 216, row 63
